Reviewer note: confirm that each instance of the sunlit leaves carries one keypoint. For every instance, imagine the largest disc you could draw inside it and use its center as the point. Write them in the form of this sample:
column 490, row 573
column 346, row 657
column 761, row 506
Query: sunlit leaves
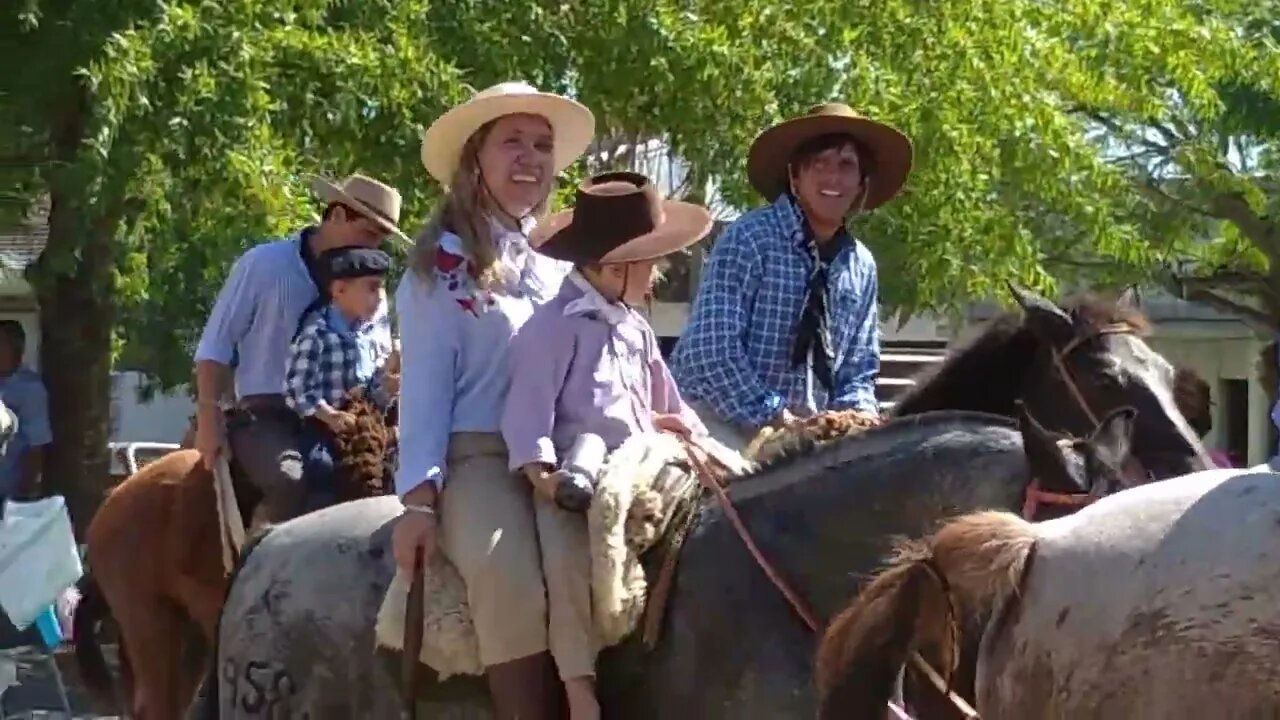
column 1030, row 120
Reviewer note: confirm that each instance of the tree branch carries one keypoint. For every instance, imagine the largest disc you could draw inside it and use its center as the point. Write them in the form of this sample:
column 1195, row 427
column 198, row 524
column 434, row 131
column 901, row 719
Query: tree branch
column 1233, row 208
column 1198, row 290
column 1150, row 188
column 1127, row 134
column 1251, row 316
column 24, row 159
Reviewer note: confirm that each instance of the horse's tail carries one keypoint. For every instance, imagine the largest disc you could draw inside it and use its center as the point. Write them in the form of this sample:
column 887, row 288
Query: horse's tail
column 971, row 565
column 206, row 703
column 91, row 610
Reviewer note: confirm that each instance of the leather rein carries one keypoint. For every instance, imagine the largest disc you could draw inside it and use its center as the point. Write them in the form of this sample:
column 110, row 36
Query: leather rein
column 1035, row 496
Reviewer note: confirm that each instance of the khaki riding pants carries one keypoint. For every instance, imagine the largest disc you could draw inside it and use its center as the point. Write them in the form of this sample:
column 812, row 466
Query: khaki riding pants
column 502, row 540
column 727, row 433
column 264, row 436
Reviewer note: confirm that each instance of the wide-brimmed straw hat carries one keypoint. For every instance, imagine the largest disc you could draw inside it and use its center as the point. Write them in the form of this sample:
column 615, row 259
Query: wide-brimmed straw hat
column 377, row 201
column 571, row 122
column 618, row 217
column 772, row 151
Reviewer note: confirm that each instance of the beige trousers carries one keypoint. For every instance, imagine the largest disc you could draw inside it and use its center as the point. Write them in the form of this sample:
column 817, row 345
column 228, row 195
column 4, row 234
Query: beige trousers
column 566, row 565
column 502, row 540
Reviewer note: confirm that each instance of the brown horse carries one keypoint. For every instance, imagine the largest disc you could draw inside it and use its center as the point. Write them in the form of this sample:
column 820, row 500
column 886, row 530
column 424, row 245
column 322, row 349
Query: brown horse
column 154, row 566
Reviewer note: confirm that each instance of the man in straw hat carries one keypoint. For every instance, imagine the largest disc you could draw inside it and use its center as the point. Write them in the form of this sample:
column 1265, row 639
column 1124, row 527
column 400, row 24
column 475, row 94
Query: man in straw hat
column 255, row 317
column 586, row 374
column 785, row 321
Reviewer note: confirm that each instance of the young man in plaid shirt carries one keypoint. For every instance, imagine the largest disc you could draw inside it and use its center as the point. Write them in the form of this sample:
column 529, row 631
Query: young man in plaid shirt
column 786, row 320
column 335, row 351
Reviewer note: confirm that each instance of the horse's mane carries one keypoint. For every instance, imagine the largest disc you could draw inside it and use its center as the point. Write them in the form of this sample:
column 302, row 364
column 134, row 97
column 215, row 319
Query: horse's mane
column 987, row 374
column 821, row 456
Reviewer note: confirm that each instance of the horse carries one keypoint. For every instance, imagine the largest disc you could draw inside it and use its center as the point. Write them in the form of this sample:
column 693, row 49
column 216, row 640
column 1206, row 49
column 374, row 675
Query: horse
column 1182, row 625
column 296, row 639
column 155, row 568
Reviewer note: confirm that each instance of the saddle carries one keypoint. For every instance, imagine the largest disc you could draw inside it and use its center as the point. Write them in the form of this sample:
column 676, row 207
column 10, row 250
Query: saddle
column 365, row 459
column 645, row 497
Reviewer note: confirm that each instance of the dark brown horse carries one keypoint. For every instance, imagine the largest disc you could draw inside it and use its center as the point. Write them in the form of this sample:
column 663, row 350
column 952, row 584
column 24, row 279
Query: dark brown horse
column 155, row 567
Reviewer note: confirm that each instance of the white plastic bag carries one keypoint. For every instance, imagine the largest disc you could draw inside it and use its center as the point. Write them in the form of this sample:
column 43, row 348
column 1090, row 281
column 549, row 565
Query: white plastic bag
column 38, row 557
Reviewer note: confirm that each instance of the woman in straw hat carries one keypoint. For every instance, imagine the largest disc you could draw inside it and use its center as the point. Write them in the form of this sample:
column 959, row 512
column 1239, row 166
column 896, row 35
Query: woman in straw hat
column 474, row 281
column 586, row 374
column 786, row 316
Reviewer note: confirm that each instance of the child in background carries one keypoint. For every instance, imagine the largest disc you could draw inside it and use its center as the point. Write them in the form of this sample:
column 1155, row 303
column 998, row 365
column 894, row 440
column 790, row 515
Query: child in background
column 586, row 373
column 335, row 351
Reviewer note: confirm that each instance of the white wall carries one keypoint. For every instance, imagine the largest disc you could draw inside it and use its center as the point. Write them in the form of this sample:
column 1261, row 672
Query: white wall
column 163, row 419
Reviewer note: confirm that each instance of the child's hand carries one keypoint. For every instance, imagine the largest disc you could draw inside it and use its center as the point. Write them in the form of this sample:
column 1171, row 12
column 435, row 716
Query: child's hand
column 339, row 421
column 540, row 476
column 392, row 365
column 391, row 383
column 672, row 424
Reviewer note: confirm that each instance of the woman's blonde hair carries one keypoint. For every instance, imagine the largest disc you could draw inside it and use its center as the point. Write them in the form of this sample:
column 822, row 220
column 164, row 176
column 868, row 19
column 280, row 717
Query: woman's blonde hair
column 462, row 212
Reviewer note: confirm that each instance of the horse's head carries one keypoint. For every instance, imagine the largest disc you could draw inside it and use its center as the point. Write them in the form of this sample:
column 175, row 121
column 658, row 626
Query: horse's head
column 1092, row 362
column 1071, row 472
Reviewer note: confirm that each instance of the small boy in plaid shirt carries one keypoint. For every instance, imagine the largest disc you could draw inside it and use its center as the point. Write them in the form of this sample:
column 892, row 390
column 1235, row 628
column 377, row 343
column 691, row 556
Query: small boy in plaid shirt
column 334, row 351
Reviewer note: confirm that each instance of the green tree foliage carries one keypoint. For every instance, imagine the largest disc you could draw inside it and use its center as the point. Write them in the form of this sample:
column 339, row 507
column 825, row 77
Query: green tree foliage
column 168, row 136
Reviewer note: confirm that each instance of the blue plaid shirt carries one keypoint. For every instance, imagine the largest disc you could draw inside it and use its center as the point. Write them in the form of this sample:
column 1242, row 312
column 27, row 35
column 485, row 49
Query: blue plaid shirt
column 735, row 352
column 329, row 358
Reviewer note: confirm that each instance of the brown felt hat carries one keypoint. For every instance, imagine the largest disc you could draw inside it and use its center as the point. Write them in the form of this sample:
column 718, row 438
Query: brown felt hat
column 375, row 200
column 618, row 217
column 890, row 150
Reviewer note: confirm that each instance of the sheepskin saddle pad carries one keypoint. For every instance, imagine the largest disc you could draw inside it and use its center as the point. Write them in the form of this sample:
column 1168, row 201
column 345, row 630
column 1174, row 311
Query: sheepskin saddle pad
column 643, row 484
column 807, row 434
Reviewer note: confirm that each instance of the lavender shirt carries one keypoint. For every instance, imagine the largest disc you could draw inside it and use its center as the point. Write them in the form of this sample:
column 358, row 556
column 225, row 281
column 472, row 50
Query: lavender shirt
column 453, row 346
column 576, row 373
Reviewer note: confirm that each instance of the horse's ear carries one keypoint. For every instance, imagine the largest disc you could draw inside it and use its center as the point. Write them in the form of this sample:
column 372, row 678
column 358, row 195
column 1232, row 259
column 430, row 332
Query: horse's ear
column 1129, row 299
column 1047, row 320
column 1113, row 438
column 1046, row 456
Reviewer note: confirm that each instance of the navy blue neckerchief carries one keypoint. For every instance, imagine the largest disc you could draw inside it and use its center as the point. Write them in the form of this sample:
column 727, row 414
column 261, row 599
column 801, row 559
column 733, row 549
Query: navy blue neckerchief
column 310, row 261
column 814, row 329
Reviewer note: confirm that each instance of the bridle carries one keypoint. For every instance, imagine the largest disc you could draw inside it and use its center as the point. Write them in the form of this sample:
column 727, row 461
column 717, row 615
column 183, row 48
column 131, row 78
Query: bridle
column 1035, row 496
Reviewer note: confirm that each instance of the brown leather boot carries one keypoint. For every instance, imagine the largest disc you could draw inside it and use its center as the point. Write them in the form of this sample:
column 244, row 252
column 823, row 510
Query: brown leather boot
column 527, row 688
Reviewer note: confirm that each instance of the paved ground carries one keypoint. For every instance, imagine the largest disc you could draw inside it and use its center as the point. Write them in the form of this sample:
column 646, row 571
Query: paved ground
column 36, row 694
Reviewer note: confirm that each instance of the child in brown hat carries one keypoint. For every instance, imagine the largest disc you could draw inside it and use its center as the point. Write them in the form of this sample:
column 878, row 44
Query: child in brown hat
column 586, row 374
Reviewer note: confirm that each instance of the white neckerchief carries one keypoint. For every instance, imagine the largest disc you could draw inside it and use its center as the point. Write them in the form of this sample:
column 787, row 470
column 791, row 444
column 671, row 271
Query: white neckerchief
column 592, row 302
column 521, row 270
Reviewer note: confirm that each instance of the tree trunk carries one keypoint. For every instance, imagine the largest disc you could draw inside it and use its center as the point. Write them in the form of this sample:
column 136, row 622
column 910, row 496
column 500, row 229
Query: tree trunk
column 77, row 312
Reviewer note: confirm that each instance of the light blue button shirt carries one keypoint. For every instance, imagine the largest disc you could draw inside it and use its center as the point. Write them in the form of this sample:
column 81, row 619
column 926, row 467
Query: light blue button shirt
column 454, row 362
column 24, row 393
column 257, row 312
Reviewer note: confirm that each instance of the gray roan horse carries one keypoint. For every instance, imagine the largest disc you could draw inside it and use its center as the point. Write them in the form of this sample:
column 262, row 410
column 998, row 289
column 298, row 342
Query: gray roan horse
column 1162, row 601
column 297, row 627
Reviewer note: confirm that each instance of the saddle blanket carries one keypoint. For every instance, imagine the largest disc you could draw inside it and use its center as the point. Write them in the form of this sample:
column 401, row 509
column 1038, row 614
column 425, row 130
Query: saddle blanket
column 641, row 486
